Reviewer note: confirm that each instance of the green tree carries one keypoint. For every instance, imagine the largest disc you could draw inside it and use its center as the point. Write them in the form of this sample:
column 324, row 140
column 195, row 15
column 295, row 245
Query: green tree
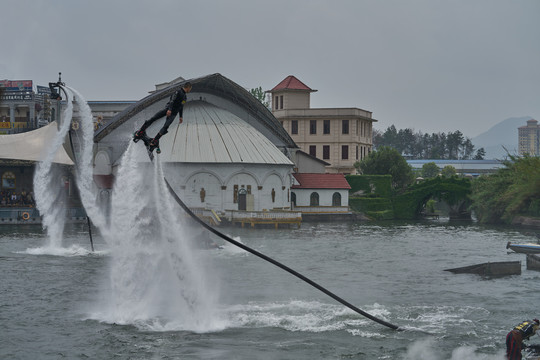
column 425, row 146
column 467, row 149
column 388, row 161
column 448, row 171
column 480, row 153
column 513, row 190
column 260, row 95
column 430, row 170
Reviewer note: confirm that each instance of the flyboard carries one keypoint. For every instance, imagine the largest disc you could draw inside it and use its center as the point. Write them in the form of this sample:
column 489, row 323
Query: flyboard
column 272, row 261
column 149, row 147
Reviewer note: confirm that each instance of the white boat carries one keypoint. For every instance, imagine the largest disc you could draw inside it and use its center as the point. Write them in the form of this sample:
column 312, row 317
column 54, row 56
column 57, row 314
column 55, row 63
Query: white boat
column 530, row 248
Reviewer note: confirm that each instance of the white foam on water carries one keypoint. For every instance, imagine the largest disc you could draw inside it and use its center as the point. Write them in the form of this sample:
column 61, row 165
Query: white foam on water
column 73, row 250
column 429, row 349
column 299, row 315
column 229, row 249
column 438, row 319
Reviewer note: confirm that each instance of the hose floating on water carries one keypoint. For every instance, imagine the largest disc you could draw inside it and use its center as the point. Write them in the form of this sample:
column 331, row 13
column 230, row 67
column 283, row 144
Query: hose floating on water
column 277, row 263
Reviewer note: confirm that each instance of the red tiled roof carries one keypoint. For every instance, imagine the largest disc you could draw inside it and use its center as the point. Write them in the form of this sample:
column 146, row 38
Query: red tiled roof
column 292, row 83
column 321, row 181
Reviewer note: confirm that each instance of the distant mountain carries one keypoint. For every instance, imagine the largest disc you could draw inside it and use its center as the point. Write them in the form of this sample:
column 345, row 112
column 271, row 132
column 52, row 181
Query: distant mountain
column 504, row 134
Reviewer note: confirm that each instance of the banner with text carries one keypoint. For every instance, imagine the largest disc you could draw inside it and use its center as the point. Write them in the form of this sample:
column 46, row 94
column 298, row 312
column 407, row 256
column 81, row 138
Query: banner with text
column 16, row 85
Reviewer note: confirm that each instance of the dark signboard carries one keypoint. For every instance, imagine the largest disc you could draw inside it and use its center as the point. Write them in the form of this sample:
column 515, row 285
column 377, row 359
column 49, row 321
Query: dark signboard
column 43, row 90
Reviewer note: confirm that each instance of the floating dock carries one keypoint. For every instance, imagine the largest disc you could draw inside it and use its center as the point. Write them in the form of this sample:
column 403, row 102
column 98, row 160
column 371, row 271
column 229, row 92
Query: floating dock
column 533, row 262
column 502, row 268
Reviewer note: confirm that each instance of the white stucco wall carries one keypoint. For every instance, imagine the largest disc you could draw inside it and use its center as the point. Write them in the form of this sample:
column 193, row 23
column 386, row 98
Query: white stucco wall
column 325, row 196
column 218, row 181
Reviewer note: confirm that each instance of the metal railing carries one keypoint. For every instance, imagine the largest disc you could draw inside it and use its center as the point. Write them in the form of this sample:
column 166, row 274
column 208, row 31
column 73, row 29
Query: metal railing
column 322, row 209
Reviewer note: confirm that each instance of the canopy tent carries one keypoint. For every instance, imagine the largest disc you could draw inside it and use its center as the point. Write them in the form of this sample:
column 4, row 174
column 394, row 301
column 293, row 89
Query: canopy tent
column 33, row 145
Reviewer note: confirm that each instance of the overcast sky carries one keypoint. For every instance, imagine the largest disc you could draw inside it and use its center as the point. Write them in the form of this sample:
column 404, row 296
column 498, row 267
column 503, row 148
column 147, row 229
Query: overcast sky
column 430, row 65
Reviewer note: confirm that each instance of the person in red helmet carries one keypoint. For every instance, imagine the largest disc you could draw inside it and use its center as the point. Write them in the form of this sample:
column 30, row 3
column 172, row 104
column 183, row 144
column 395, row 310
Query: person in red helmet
column 515, row 338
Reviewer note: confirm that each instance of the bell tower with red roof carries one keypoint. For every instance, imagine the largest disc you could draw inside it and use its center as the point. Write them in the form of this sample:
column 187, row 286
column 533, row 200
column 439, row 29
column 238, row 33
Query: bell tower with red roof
column 290, row 93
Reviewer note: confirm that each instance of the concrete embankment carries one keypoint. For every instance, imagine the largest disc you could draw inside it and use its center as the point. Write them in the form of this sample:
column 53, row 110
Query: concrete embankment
column 525, row 221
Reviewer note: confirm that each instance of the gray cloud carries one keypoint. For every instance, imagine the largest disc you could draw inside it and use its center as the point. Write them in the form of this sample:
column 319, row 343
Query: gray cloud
column 432, row 65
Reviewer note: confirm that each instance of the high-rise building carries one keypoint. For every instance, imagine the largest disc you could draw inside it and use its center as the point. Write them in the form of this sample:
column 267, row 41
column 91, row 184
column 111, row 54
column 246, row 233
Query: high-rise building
column 529, row 138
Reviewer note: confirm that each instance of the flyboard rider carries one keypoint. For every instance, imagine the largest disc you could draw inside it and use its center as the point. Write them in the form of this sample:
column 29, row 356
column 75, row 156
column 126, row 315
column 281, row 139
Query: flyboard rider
column 174, row 106
column 55, row 95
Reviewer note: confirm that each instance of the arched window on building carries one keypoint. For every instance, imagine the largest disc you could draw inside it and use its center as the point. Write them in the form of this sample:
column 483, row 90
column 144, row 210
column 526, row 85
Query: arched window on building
column 8, row 180
column 336, row 199
column 314, row 199
column 293, row 198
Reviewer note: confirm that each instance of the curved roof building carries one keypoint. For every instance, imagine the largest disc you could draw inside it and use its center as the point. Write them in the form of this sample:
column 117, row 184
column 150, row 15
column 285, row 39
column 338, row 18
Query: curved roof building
column 212, row 134
column 229, row 145
column 212, row 91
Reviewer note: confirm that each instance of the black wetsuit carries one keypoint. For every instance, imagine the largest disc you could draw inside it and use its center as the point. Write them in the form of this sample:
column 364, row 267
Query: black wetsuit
column 175, row 105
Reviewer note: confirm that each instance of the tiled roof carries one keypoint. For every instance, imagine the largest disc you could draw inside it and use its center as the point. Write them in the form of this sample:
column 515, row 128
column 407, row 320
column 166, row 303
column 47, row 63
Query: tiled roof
column 320, row 181
column 291, row 83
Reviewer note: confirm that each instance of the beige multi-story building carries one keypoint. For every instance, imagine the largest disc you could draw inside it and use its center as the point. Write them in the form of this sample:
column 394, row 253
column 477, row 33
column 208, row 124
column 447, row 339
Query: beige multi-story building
column 529, row 138
column 339, row 136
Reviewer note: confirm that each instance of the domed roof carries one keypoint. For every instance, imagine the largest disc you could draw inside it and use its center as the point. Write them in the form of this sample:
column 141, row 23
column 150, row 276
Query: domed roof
column 214, row 135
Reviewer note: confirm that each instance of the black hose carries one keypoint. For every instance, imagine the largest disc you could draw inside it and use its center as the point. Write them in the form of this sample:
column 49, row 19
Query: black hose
column 278, row 264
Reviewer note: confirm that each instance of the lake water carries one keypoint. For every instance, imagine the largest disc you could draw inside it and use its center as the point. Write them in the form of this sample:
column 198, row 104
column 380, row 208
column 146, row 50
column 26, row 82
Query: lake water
column 56, row 302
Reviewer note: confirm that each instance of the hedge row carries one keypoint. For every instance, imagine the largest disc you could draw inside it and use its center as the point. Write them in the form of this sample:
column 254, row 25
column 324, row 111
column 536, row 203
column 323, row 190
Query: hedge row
column 377, row 200
column 374, row 185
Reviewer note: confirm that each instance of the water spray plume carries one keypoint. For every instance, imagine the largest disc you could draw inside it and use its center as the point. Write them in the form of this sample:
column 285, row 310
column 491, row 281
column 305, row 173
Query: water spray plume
column 157, row 280
column 48, row 190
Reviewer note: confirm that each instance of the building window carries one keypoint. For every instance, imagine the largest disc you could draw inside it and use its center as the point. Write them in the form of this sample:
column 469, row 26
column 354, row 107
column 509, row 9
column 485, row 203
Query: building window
column 277, row 102
column 336, row 199
column 344, row 152
column 356, row 152
column 235, row 194
column 326, row 152
column 344, row 126
column 313, row 150
column 8, row 180
column 326, row 127
column 281, row 102
column 313, row 127
column 294, row 127
column 314, row 199
column 293, row 198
